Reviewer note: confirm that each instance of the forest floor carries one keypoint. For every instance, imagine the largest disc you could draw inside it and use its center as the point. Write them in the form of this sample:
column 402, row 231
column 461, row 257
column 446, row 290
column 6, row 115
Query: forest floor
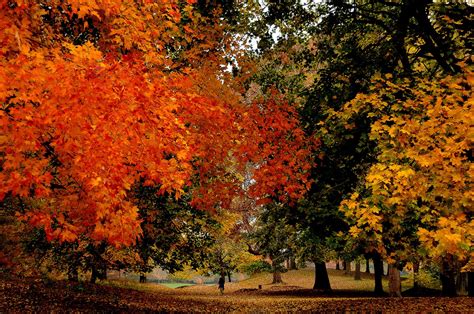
column 36, row 295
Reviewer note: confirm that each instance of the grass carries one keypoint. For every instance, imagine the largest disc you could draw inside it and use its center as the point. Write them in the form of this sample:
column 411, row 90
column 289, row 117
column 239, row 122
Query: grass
column 295, row 295
column 174, row 285
column 301, row 278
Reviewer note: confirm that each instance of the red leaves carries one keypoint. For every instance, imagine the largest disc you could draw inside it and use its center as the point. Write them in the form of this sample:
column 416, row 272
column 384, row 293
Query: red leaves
column 81, row 124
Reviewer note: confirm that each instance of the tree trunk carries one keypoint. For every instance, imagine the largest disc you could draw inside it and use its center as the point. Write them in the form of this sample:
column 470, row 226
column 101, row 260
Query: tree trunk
column 395, row 285
column 321, row 280
column 448, row 276
column 378, row 273
column 416, row 269
column 462, row 284
column 337, row 265
column 293, row 263
column 344, row 265
column 347, row 269
column 470, row 289
column 277, row 277
column 93, row 275
column 142, row 278
column 367, row 266
column 228, row 276
column 357, row 271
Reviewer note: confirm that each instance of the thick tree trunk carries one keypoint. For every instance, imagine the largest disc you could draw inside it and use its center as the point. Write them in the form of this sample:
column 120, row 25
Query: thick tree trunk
column 337, row 265
column 142, row 278
column 277, row 277
column 470, row 290
column 395, row 285
column 321, row 280
column 378, row 273
column 357, row 275
column 448, row 277
column 344, row 265
column 367, row 266
column 276, row 273
column 462, row 284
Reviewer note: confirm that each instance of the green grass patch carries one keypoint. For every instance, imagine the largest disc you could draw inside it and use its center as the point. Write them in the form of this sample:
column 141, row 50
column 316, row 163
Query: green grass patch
column 175, row 285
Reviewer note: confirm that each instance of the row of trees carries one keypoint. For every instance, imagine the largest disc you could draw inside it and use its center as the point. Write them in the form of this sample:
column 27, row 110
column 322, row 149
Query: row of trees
column 344, row 126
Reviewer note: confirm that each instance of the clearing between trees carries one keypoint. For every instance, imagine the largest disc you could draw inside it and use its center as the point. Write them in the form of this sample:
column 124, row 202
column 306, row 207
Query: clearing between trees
column 32, row 295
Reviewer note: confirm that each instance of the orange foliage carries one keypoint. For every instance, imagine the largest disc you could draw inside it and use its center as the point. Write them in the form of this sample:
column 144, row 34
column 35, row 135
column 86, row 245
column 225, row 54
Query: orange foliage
column 81, row 122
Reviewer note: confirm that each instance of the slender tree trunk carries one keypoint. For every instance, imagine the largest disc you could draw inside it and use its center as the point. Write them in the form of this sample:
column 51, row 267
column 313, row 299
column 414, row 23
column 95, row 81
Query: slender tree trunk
column 347, row 269
column 228, row 276
column 367, row 266
column 344, row 265
column 337, row 265
column 416, row 269
column 395, row 288
column 142, row 278
column 321, row 280
column 293, row 263
column 357, row 271
column 93, row 275
column 378, row 273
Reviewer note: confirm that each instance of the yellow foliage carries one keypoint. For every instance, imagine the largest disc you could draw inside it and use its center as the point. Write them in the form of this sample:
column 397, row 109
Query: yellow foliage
column 424, row 141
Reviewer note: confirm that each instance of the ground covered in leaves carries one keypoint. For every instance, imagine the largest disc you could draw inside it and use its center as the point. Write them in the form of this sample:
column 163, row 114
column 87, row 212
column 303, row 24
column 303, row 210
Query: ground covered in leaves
column 36, row 295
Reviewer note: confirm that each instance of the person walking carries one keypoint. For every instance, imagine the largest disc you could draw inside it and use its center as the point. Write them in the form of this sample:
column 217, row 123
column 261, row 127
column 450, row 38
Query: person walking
column 221, row 284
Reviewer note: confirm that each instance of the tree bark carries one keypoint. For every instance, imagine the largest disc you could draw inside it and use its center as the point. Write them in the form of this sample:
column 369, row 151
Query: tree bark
column 378, row 273
column 357, row 275
column 416, row 269
column 395, row 287
column 337, row 265
column 277, row 277
column 321, row 280
column 448, row 276
column 228, row 276
column 93, row 275
column 344, row 265
column 347, row 269
column 470, row 289
column 293, row 263
column 276, row 273
column 367, row 266
column 462, row 284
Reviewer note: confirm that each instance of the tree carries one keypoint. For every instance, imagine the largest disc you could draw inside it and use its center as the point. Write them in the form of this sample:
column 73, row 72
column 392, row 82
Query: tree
column 174, row 233
column 419, row 190
column 272, row 238
column 229, row 251
column 130, row 105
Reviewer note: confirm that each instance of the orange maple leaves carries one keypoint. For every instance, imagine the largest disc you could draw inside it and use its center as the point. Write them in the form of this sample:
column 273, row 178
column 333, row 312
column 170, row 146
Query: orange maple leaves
column 80, row 124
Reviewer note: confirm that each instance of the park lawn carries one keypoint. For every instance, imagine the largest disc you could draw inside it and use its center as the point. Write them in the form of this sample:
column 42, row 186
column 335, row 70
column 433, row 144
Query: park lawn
column 174, row 285
column 22, row 295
